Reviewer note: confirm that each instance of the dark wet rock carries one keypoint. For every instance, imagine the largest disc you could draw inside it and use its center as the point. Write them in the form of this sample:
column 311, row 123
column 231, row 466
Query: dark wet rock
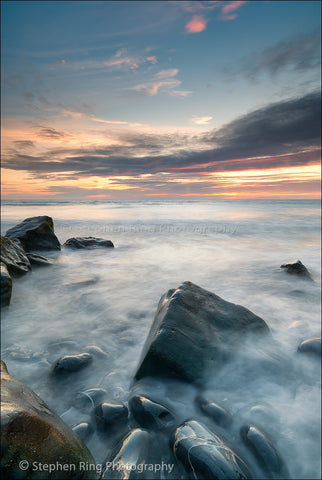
column 109, row 416
column 311, row 345
column 205, row 454
column 38, row 260
column 193, row 330
column 83, row 430
column 149, row 414
column 14, row 256
column 298, row 269
column 6, row 286
column 88, row 242
column 72, row 363
column 89, row 398
column 30, row 431
column 36, row 233
column 262, row 416
column 218, row 414
column 265, row 452
column 137, row 450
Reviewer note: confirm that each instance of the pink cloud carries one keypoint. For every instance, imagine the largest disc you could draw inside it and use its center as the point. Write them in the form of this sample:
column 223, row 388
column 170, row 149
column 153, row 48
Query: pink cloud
column 232, row 6
column 194, row 6
column 152, row 59
column 134, row 66
column 197, row 24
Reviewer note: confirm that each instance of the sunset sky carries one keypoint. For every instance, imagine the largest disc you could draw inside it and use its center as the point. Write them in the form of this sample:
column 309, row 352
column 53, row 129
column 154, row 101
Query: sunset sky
column 160, row 99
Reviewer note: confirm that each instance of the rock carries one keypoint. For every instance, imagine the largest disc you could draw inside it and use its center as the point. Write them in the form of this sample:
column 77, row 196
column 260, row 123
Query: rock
column 38, row 260
column 266, row 454
column 218, row 414
column 90, row 398
column 311, row 345
column 36, row 233
column 262, row 416
column 6, row 286
column 193, row 330
column 149, row 414
column 88, row 242
column 83, row 430
column 297, row 268
column 109, row 417
column 72, row 363
column 14, row 256
column 96, row 351
column 30, row 431
column 205, row 454
column 133, row 460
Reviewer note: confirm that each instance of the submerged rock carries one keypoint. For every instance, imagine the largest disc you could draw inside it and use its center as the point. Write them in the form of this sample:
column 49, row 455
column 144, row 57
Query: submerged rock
column 6, row 286
column 205, row 454
column 89, row 398
column 88, row 242
column 297, row 268
column 266, row 454
column 36, row 233
column 149, row 414
column 30, row 431
column 83, row 430
column 311, row 345
column 218, row 414
column 108, row 416
column 194, row 329
column 39, row 260
column 14, row 256
column 72, row 363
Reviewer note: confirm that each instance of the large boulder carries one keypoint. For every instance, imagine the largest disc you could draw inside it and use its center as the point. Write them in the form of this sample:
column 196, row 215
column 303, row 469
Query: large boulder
column 88, row 242
column 6, row 286
column 298, row 269
column 193, row 330
column 14, row 256
column 36, row 233
column 32, row 435
column 205, row 455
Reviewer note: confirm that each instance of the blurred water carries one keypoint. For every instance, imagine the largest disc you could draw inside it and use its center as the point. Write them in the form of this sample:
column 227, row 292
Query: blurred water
column 108, row 298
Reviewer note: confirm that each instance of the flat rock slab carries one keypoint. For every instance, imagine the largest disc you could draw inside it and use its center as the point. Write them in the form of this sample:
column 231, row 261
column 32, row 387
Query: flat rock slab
column 30, row 431
column 6, row 286
column 298, row 269
column 36, row 233
column 193, row 330
column 88, row 242
column 14, row 256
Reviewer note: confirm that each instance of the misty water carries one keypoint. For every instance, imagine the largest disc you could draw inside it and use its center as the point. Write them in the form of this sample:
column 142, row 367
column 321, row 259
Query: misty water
column 108, row 297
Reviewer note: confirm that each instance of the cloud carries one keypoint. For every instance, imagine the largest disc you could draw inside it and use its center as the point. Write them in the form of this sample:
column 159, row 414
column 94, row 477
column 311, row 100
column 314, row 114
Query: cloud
column 24, row 144
column 153, row 59
column 299, row 53
column 200, row 120
column 196, row 6
column 287, row 133
column 51, row 133
column 229, row 7
column 197, row 24
column 162, row 82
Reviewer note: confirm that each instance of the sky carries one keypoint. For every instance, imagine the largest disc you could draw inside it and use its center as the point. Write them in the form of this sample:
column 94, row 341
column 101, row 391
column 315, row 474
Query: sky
column 160, row 99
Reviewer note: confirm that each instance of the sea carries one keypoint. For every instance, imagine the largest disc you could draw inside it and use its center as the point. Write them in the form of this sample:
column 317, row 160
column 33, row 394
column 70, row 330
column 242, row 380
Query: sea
column 107, row 298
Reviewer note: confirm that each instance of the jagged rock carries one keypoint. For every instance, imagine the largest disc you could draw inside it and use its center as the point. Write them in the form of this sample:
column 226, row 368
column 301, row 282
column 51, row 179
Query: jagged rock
column 88, row 242
column 297, row 268
column 6, row 286
column 311, row 345
column 14, row 256
column 108, row 416
column 36, row 233
column 205, row 454
column 218, row 414
column 72, row 363
column 39, row 260
column 193, row 330
column 266, row 454
column 30, row 431
column 149, row 414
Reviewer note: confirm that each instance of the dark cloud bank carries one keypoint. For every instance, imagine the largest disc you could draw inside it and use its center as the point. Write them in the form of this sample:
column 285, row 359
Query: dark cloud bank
column 289, row 131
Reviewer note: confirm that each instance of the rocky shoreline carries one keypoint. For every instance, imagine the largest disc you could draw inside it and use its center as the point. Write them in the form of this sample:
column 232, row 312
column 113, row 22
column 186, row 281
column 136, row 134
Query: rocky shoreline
column 195, row 334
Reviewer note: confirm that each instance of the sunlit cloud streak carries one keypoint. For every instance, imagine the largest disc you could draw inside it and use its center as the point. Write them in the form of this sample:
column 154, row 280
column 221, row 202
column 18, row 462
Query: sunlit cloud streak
column 197, row 24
